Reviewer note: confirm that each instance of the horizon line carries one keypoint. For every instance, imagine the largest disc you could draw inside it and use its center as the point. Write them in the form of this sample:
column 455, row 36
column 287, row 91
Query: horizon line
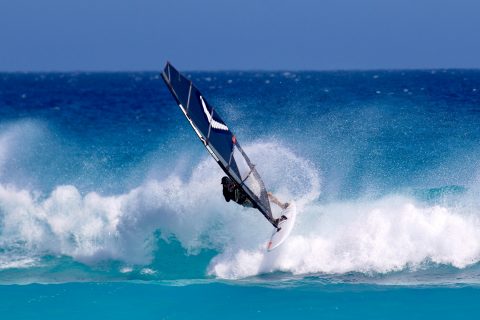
column 247, row 70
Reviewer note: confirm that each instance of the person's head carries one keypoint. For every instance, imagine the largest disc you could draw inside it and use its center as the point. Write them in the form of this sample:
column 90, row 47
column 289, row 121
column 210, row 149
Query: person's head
column 226, row 181
column 228, row 184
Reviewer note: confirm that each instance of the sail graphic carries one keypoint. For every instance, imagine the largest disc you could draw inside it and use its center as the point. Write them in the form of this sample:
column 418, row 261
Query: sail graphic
column 216, row 136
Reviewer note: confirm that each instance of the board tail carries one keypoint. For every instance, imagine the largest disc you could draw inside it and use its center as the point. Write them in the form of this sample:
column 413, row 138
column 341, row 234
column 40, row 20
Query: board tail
column 285, row 226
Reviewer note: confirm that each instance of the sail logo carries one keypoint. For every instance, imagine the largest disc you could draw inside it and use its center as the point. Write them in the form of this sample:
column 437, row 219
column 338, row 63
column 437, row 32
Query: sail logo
column 214, row 123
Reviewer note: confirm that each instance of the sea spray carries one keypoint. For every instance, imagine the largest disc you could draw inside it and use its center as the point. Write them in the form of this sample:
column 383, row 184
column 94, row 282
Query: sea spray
column 90, row 227
column 368, row 236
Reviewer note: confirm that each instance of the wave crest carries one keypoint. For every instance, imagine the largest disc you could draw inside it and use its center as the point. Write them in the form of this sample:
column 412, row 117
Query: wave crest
column 381, row 236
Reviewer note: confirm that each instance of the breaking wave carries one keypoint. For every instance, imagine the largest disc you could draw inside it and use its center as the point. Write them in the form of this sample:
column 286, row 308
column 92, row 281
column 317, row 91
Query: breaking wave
column 390, row 233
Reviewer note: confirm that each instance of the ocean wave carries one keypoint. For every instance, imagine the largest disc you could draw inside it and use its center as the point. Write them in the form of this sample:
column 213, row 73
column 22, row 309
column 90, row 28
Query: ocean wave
column 386, row 234
column 378, row 236
column 91, row 227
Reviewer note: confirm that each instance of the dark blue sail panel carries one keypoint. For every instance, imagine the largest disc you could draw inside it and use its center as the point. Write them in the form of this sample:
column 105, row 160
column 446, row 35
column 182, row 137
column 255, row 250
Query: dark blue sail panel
column 208, row 126
column 180, row 83
column 217, row 138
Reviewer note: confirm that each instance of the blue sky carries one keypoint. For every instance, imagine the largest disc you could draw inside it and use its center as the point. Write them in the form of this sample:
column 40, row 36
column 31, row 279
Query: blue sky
column 115, row 35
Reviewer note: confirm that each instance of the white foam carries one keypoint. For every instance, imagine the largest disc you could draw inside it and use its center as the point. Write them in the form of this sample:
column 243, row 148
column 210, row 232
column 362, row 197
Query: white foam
column 126, row 270
column 91, row 227
column 385, row 235
column 381, row 235
column 16, row 263
column 147, row 271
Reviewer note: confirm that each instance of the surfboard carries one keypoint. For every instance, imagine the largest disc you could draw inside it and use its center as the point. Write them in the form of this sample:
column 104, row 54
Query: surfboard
column 286, row 226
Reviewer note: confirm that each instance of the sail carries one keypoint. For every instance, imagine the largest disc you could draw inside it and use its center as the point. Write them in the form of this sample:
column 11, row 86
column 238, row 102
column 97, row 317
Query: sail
column 217, row 137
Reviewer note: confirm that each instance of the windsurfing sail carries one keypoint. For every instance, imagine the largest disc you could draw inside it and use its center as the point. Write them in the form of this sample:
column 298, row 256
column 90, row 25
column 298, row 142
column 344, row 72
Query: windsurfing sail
column 219, row 140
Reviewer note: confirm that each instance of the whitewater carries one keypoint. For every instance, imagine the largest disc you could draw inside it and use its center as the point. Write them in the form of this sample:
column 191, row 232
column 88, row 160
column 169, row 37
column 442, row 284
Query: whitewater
column 103, row 181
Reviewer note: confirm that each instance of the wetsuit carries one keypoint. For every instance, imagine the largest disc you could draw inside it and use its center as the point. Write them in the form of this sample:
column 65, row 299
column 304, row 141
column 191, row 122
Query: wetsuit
column 232, row 192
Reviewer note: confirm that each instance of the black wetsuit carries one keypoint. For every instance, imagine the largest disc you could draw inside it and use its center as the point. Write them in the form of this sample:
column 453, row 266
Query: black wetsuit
column 232, row 192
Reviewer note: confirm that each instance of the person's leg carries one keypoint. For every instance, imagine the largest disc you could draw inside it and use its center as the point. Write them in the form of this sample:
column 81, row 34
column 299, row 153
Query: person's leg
column 276, row 201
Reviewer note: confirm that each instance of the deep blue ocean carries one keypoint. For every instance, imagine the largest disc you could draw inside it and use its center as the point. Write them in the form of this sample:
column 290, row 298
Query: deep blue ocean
column 110, row 207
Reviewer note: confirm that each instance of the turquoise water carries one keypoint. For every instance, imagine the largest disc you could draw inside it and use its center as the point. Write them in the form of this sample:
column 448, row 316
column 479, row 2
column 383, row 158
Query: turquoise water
column 235, row 301
column 110, row 206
